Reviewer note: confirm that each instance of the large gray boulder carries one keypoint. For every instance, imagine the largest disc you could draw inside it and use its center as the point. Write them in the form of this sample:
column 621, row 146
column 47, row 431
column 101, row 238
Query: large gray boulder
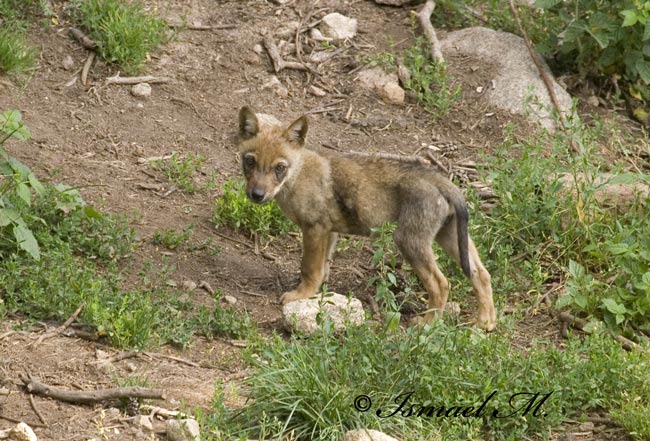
column 517, row 75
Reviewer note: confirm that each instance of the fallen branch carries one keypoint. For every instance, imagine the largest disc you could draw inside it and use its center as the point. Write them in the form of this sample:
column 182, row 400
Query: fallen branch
column 89, row 397
column 276, row 59
column 60, row 329
column 36, row 411
column 86, row 68
column 424, row 16
column 200, row 27
column 83, row 39
column 165, row 413
column 117, row 79
column 542, row 72
column 172, row 358
column 580, row 324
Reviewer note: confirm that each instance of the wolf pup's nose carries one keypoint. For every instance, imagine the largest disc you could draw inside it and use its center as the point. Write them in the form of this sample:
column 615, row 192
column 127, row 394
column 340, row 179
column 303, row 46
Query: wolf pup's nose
column 257, row 195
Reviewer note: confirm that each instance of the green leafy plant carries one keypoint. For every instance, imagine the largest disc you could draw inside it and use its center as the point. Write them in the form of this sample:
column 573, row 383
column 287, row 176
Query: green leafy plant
column 172, row 239
column 387, row 281
column 313, row 395
column 235, row 210
column 603, row 38
column 16, row 56
column 429, row 81
column 123, row 31
column 181, row 169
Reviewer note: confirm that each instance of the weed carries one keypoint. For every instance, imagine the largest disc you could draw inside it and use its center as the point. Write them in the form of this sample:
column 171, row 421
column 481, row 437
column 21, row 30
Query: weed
column 549, row 212
column 384, row 60
column 181, row 170
column 124, row 33
column 312, row 395
column 172, row 239
column 235, row 210
column 222, row 320
column 15, row 56
column 387, row 281
column 429, row 81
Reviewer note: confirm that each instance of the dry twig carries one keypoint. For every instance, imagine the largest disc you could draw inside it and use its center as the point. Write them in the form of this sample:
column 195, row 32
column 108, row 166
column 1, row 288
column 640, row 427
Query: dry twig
column 424, row 17
column 89, row 397
column 86, row 68
column 83, row 39
column 278, row 62
column 580, row 324
column 117, row 79
column 60, row 329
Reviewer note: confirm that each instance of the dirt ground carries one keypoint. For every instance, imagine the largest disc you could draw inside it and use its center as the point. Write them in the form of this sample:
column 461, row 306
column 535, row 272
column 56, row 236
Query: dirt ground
column 97, row 136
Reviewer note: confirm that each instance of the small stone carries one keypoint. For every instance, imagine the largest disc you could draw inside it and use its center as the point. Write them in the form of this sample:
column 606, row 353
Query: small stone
column 141, row 90
column 183, row 430
column 258, row 49
column 301, row 314
column 316, row 91
column 143, row 421
column 452, row 308
column 587, row 427
column 593, row 101
column 271, row 83
column 317, row 35
column 231, row 300
column 131, row 367
column 68, row 62
column 338, row 26
column 188, row 285
column 139, row 106
column 384, row 84
column 366, row 435
column 22, row 432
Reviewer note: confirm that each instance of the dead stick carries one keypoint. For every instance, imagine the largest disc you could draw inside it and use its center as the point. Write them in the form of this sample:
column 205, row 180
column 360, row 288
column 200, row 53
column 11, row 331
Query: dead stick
column 89, row 397
column 580, row 324
column 36, row 411
column 86, row 68
column 276, row 59
column 542, row 72
column 424, row 16
column 61, row 328
column 17, row 421
column 173, row 358
column 83, row 39
column 135, row 80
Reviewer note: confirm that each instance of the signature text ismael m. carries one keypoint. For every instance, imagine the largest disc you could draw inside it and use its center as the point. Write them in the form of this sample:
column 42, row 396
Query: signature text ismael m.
column 522, row 403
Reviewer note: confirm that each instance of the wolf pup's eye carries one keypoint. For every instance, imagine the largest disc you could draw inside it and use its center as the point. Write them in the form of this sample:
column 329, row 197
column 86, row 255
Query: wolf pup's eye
column 280, row 170
column 249, row 161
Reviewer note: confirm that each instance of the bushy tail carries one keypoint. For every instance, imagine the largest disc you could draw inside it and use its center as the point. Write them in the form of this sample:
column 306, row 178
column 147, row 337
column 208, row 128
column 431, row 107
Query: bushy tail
column 462, row 217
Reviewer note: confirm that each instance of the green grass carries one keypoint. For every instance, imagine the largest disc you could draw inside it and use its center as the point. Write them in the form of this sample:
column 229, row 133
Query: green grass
column 16, row 57
column 429, row 81
column 123, row 31
column 171, row 238
column 57, row 252
column 181, row 170
column 307, row 387
column 236, row 211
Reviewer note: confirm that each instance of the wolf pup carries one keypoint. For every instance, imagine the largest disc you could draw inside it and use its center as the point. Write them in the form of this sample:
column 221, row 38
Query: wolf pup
column 351, row 194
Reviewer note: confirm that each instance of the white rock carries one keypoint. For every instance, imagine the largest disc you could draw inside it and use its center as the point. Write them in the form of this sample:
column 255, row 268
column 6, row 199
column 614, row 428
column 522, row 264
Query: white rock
column 384, row 84
column 141, row 90
column 258, row 49
column 338, row 26
column 188, row 285
column 68, row 62
column 317, row 35
column 301, row 314
column 143, row 421
column 366, row 435
column 517, row 74
column 231, row 300
column 183, row 430
column 22, row 432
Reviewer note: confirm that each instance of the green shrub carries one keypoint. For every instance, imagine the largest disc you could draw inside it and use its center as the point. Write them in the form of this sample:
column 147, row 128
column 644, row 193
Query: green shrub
column 181, row 170
column 309, row 386
column 124, row 33
column 235, row 210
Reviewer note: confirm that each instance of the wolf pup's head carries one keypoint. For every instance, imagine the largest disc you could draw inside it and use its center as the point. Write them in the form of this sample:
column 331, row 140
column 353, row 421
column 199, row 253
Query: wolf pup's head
column 270, row 153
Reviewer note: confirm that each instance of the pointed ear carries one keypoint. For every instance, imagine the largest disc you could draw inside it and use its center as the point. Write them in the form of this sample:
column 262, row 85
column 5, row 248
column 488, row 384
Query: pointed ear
column 248, row 124
column 297, row 132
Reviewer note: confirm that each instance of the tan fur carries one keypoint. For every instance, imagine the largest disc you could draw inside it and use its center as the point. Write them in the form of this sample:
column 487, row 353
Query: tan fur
column 351, row 194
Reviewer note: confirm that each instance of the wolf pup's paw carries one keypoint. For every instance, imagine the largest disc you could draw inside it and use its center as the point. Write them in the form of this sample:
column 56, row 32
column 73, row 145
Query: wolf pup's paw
column 292, row 296
column 488, row 325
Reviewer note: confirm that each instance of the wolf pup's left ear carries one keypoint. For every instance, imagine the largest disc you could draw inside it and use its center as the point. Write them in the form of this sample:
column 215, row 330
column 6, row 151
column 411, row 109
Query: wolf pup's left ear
column 297, row 132
column 248, row 124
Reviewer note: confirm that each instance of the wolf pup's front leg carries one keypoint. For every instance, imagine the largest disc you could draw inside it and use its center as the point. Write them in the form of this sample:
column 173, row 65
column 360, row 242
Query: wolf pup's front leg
column 316, row 247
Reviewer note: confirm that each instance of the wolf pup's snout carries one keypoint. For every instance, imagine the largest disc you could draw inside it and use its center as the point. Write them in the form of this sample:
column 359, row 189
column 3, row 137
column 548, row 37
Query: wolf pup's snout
column 257, row 195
